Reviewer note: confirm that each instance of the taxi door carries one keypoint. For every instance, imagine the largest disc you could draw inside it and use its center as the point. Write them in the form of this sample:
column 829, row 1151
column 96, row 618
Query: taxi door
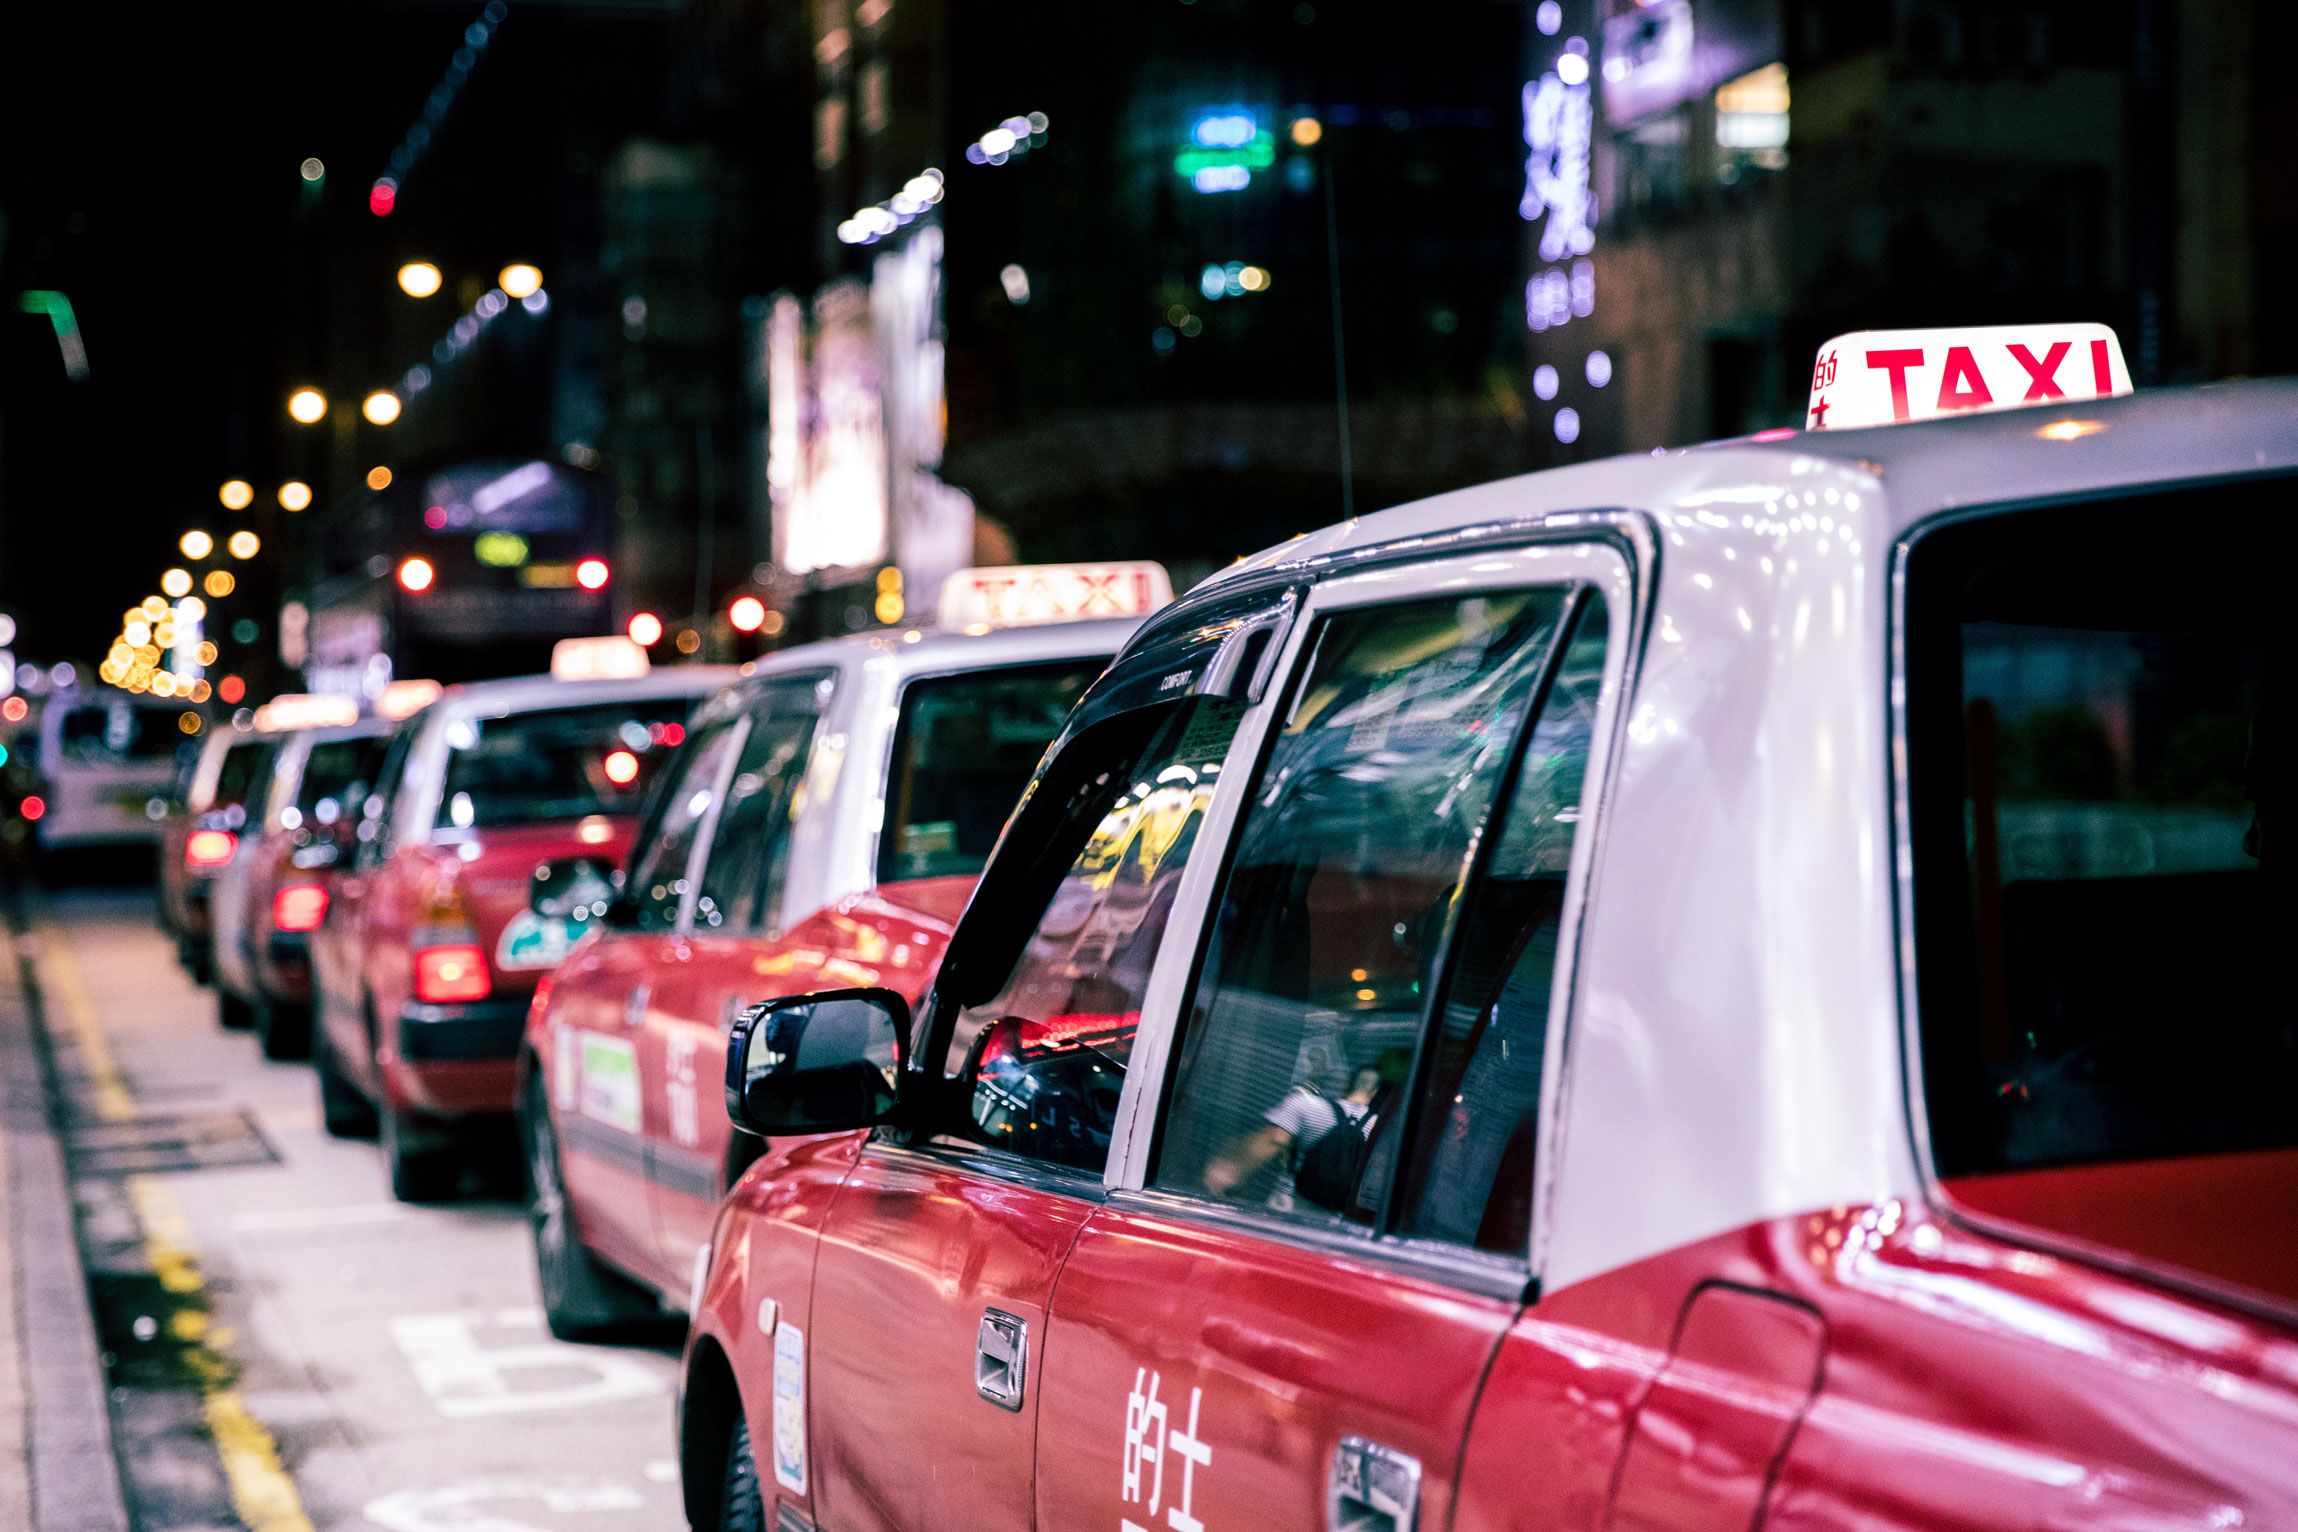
column 1284, row 1319
column 730, row 966
column 938, row 1260
column 599, row 1070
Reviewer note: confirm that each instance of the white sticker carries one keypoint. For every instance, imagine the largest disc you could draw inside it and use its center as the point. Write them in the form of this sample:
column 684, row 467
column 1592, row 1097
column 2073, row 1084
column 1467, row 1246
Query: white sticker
column 610, row 1082
column 790, row 1409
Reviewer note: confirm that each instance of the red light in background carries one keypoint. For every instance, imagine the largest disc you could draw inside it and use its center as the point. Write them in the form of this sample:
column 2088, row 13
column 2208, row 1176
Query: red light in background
column 231, row 688
column 416, row 575
column 674, row 734
column 209, row 848
column 591, row 574
column 435, row 517
column 621, row 768
column 14, row 709
column 299, row 907
column 449, row 974
column 646, row 630
column 381, row 196
column 33, row 807
column 746, row 613
column 1775, row 434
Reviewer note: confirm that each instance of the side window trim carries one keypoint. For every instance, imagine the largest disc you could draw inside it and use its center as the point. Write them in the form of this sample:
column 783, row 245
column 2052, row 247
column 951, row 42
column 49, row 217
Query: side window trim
column 1610, row 568
column 697, row 855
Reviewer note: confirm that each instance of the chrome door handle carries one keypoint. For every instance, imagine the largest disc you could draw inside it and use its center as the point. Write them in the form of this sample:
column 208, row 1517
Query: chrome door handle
column 1001, row 1358
column 1374, row 1488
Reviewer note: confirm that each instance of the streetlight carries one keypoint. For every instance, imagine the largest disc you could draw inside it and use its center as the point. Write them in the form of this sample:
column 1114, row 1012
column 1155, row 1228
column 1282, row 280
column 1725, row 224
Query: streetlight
column 176, row 582
column 196, row 544
column 419, row 279
column 294, row 495
column 520, row 281
column 381, row 407
column 243, row 544
column 646, row 630
column 746, row 613
column 238, row 494
column 308, row 406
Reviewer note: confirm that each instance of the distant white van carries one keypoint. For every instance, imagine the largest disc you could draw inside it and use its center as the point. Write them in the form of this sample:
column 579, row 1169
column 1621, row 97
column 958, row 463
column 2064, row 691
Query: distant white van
column 108, row 759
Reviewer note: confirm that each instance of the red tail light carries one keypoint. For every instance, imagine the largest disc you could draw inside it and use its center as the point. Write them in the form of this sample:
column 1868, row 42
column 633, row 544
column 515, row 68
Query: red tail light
column 298, row 907
column 444, row 975
column 210, row 848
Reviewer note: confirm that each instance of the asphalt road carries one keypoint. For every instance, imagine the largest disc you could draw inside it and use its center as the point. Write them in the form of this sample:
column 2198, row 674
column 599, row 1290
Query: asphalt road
column 281, row 1337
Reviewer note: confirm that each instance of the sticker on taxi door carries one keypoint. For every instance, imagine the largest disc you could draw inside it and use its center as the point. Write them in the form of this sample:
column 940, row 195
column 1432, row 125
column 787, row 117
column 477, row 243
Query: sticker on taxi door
column 790, row 1409
column 1876, row 377
column 610, row 1082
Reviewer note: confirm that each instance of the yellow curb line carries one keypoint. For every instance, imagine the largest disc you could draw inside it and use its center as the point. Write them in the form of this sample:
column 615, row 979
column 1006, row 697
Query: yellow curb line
column 261, row 1490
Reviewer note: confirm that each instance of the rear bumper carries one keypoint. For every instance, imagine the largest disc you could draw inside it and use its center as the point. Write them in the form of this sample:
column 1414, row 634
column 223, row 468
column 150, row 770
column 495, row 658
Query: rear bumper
column 283, row 967
column 459, row 1060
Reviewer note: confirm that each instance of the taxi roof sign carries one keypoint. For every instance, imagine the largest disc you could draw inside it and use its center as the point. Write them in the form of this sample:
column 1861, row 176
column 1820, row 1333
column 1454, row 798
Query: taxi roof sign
column 1029, row 593
column 609, row 657
column 1876, row 377
column 404, row 699
column 305, row 710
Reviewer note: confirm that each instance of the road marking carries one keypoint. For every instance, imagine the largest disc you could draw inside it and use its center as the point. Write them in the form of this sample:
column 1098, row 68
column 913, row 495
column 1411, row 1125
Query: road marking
column 459, row 1507
column 465, row 1379
column 280, row 1219
column 261, row 1491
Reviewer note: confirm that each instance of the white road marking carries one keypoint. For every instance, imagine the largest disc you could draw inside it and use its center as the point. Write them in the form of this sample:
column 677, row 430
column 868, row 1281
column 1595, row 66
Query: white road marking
column 270, row 1219
column 464, row 1507
column 465, row 1379
column 661, row 1471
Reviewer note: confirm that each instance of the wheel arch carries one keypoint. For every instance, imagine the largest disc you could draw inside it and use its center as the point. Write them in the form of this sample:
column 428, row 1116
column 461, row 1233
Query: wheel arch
column 708, row 1403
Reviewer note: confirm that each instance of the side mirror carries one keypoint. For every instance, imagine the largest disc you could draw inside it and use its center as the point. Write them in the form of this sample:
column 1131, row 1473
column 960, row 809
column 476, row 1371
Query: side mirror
column 575, row 888
column 819, row 1063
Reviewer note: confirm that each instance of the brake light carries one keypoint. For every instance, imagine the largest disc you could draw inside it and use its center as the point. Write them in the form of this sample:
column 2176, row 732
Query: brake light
column 33, row 805
column 298, row 907
column 447, row 974
column 210, row 848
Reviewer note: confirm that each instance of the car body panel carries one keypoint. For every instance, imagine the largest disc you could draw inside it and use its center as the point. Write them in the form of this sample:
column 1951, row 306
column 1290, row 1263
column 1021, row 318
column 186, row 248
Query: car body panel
column 101, row 797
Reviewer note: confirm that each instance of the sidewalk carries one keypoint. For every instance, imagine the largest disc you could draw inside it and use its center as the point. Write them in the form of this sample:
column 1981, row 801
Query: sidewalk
column 57, row 1468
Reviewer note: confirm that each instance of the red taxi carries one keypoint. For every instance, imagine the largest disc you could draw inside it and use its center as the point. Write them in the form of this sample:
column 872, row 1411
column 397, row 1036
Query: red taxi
column 201, row 836
column 417, row 1023
column 276, row 892
column 1731, row 988
column 825, row 825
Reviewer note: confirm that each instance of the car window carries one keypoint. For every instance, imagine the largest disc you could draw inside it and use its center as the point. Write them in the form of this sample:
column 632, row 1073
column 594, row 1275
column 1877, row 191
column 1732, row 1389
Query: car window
column 1467, row 1177
column 656, row 886
column 337, row 776
column 749, row 857
column 117, row 734
column 1046, row 1057
column 2104, row 801
column 1302, row 1035
column 240, row 774
column 557, row 763
column 374, row 832
column 963, row 751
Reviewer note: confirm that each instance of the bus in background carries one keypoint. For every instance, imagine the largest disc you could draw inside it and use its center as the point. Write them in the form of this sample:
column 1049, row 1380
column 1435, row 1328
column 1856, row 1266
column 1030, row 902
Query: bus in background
column 109, row 760
column 464, row 571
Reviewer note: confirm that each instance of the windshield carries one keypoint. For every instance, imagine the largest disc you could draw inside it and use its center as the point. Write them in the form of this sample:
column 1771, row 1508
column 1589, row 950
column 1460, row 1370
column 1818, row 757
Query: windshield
column 338, row 773
column 557, row 763
column 118, row 734
column 2102, row 774
column 241, row 769
column 963, row 752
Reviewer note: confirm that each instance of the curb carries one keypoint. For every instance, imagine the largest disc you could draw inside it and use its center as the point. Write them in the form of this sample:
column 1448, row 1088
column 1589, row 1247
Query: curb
column 74, row 1471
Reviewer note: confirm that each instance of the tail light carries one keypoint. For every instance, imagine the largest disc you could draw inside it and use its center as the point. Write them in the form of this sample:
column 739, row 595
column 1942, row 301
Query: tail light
column 210, row 848
column 298, row 907
column 445, row 975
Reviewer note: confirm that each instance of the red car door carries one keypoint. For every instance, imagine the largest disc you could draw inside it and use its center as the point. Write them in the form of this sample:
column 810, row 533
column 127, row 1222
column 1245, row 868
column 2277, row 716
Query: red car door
column 939, row 1257
column 1288, row 1325
column 732, row 964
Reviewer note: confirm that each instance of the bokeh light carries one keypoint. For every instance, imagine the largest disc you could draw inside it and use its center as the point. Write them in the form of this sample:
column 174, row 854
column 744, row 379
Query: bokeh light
column 419, row 279
column 380, row 407
column 243, row 544
column 308, row 406
column 231, row 689
column 294, row 495
column 520, row 281
column 196, row 544
column 176, row 582
column 219, row 583
column 646, row 630
column 416, row 575
column 747, row 613
column 591, row 574
column 237, row 494
column 378, row 477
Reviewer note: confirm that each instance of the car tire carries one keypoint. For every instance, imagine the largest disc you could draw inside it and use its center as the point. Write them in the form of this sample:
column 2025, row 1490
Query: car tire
column 742, row 1499
column 582, row 1298
column 235, row 1014
column 283, row 1030
column 193, row 956
column 420, row 1155
column 346, row 1112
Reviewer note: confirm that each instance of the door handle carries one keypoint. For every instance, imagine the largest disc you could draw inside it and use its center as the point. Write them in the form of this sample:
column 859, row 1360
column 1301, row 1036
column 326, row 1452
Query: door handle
column 1001, row 1358
column 1374, row 1488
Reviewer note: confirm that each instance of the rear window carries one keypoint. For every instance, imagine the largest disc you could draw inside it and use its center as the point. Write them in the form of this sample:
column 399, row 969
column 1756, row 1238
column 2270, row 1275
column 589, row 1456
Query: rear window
column 963, row 752
column 558, row 763
column 2104, row 826
column 118, row 735
column 338, row 774
column 243, row 766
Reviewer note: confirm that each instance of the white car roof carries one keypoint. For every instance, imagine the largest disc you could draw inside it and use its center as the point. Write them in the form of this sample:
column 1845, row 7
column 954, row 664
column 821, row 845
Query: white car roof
column 526, row 694
column 930, row 651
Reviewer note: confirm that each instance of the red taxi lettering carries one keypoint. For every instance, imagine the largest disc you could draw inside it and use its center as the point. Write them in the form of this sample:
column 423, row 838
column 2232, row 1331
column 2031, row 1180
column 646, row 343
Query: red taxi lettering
column 2042, row 376
column 1149, row 1436
column 1962, row 388
column 1896, row 363
column 2102, row 370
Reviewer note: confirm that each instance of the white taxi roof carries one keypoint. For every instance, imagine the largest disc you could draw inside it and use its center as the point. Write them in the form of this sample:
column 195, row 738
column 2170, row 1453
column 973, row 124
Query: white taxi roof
column 1735, row 1050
